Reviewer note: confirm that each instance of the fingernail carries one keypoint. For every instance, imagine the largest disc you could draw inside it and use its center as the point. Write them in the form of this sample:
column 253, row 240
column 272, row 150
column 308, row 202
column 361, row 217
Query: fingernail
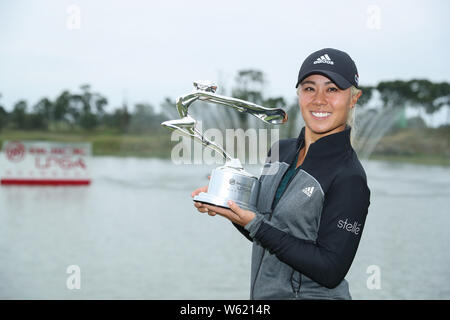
column 230, row 203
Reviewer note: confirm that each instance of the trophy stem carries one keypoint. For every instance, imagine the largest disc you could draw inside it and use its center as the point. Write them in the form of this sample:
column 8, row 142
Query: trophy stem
column 234, row 163
column 209, row 144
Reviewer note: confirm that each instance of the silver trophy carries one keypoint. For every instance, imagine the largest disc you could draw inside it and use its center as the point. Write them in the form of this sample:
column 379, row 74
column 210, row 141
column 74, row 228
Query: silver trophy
column 230, row 181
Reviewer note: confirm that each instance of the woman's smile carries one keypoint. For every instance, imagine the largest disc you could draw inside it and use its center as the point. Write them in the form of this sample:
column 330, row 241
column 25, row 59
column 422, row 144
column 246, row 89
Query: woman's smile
column 320, row 115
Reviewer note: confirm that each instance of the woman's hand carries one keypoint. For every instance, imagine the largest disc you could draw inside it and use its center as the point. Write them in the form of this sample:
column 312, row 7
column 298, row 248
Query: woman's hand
column 236, row 214
column 199, row 205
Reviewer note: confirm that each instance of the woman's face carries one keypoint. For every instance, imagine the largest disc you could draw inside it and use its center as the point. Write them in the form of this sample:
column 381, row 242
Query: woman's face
column 323, row 105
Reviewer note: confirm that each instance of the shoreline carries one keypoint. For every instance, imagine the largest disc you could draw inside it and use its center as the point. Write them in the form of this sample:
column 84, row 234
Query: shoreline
column 426, row 147
column 419, row 160
column 434, row 160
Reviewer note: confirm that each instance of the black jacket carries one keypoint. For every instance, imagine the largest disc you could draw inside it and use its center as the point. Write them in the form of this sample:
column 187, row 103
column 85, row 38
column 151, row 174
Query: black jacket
column 304, row 246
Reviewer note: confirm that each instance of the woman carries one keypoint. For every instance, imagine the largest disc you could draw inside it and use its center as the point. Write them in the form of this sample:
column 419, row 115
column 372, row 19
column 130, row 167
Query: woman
column 311, row 217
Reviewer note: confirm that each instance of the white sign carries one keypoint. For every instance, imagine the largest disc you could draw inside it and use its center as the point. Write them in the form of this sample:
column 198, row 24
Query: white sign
column 43, row 162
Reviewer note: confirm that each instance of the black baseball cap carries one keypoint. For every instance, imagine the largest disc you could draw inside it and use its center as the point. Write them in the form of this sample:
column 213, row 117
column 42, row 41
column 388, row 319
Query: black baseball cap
column 333, row 64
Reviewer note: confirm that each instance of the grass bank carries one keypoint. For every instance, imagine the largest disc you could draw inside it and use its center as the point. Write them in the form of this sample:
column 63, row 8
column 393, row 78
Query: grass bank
column 425, row 146
column 422, row 146
column 104, row 143
column 435, row 160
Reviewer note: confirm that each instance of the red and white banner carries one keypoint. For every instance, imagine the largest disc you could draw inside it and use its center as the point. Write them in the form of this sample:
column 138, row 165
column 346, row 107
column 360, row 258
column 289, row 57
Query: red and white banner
column 45, row 163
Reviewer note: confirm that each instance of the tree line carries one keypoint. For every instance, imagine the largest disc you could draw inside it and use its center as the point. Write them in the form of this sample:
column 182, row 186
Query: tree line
column 86, row 110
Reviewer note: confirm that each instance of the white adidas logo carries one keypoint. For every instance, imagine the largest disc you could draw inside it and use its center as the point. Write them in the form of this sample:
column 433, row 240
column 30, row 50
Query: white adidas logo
column 324, row 59
column 308, row 191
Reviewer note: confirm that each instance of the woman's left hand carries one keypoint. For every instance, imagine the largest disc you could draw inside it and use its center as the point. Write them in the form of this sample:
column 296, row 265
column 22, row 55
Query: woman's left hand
column 236, row 214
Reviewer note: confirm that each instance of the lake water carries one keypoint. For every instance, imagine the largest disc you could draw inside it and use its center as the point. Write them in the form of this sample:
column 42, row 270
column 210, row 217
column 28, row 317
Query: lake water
column 135, row 234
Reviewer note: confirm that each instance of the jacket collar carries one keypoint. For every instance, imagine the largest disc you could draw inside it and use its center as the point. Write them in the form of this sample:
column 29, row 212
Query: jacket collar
column 330, row 145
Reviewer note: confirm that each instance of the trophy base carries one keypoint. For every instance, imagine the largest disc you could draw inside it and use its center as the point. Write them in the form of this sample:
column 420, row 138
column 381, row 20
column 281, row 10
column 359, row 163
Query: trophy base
column 220, row 202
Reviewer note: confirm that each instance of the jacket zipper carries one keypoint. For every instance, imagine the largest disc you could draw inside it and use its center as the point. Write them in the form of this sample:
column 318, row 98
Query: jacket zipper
column 291, row 178
column 270, row 217
column 259, row 265
column 287, row 185
column 296, row 290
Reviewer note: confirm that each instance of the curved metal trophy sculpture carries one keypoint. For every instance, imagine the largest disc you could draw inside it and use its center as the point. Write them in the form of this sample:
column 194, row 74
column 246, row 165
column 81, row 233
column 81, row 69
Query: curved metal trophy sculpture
column 231, row 181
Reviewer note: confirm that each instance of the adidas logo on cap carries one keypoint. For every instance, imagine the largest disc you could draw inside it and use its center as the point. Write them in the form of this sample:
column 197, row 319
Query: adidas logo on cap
column 324, row 59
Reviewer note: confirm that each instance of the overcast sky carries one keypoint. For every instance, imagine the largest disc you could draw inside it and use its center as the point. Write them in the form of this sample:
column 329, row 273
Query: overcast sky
column 146, row 50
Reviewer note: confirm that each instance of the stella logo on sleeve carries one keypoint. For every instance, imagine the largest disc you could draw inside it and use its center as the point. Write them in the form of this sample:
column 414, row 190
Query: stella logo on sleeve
column 350, row 227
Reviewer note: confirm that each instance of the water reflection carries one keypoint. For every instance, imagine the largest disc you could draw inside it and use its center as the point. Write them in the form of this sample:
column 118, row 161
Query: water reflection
column 135, row 235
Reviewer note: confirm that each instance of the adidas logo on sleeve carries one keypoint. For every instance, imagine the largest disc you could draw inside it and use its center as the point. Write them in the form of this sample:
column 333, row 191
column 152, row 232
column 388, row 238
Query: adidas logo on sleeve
column 324, row 59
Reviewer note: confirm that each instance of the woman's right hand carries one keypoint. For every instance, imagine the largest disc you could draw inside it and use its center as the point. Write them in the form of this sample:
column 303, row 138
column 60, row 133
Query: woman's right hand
column 199, row 205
